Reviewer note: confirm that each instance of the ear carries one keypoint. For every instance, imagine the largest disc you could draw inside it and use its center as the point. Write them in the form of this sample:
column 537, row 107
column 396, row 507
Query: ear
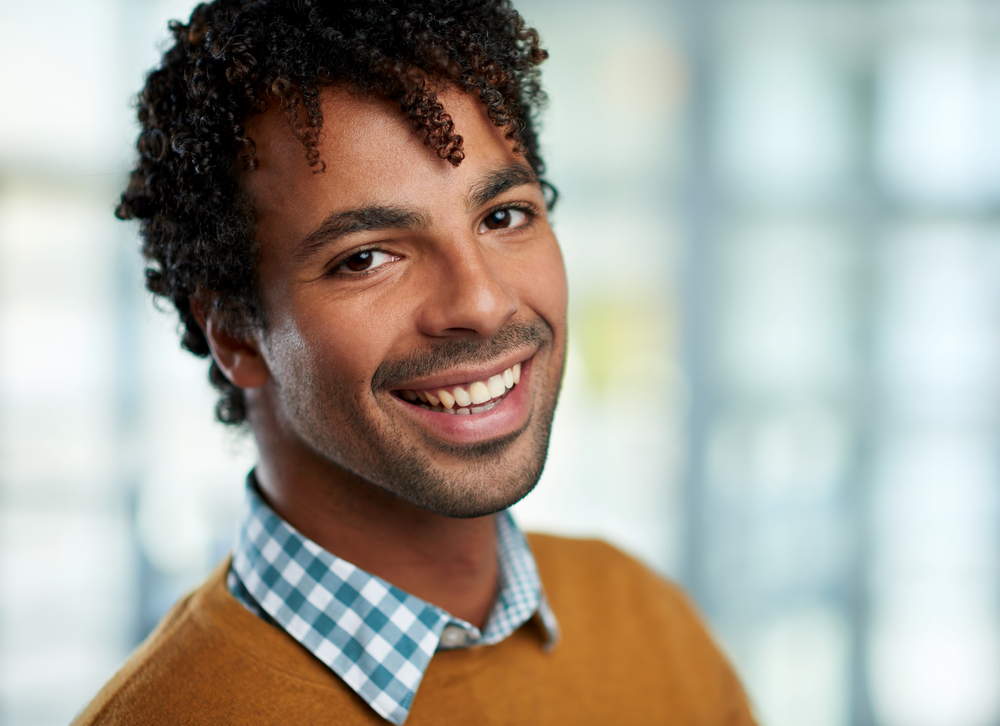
column 239, row 357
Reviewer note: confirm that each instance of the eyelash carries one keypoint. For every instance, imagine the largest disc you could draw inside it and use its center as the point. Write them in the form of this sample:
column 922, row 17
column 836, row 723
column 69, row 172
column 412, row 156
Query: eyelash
column 335, row 269
column 530, row 211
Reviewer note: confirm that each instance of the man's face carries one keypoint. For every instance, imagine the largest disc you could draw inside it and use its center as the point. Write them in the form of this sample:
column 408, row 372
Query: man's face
column 396, row 276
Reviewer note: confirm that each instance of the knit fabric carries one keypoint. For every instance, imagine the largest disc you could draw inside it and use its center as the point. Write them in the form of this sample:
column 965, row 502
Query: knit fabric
column 632, row 651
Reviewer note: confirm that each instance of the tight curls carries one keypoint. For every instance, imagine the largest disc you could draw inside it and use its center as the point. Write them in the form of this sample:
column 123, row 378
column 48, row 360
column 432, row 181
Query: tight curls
column 235, row 58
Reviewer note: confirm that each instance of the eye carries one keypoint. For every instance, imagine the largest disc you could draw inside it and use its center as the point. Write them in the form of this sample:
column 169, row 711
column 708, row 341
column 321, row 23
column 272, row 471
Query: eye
column 365, row 261
column 503, row 219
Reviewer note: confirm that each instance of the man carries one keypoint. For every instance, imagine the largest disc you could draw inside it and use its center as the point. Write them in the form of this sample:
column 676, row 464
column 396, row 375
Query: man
column 343, row 201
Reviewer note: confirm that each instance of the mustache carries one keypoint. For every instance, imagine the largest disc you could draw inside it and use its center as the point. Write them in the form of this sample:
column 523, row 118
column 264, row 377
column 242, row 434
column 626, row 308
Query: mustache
column 454, row 352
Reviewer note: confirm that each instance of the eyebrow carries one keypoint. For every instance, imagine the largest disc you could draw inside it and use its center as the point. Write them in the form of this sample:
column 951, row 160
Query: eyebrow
column 366, row 219
column 377, row 218
column 499, row 181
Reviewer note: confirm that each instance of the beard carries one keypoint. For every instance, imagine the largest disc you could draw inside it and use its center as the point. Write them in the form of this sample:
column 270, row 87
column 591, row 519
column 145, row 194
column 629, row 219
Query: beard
column 480, row 478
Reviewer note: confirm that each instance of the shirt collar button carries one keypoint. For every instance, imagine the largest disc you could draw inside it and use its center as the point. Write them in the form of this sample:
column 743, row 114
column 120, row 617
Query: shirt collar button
column 453, row 636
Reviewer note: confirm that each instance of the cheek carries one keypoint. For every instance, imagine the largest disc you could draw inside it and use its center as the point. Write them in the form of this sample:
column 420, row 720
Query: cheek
column 293, row 363
column 327, row 347
column 548, row 289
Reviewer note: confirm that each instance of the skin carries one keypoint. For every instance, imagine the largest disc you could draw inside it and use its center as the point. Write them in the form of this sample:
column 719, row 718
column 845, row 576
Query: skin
column 463, row 277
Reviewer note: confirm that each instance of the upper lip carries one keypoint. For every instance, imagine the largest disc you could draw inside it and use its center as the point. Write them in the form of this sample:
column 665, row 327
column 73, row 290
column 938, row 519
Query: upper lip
column 460, row 376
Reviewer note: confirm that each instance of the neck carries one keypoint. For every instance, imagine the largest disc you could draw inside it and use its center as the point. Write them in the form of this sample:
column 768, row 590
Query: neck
column 449, row 562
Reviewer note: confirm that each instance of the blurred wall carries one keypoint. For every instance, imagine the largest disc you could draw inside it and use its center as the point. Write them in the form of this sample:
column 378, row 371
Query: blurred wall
column 780, row 226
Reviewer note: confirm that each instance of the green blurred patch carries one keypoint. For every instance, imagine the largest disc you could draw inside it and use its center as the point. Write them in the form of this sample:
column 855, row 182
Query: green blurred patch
column 625, row 338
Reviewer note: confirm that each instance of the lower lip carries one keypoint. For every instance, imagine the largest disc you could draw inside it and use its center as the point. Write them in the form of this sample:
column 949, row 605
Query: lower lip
column 506, row 417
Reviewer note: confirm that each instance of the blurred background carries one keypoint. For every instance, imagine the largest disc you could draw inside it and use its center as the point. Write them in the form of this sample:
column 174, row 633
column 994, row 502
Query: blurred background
column 780, row 221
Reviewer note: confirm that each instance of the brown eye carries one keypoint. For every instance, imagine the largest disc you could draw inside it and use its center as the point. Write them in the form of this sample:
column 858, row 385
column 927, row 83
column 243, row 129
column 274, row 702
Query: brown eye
column 359, row 262
column 365, row 261
column 498, row 219
column 504, row 219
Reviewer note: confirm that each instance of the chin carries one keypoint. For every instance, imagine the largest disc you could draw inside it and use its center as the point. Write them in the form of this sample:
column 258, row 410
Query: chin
column 489, row 476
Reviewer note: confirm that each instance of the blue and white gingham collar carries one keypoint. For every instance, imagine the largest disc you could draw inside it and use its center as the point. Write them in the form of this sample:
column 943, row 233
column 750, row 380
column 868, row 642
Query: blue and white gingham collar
column 376, row 637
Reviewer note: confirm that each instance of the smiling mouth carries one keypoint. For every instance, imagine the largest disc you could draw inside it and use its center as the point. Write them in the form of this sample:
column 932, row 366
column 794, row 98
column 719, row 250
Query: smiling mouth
column 466, row 398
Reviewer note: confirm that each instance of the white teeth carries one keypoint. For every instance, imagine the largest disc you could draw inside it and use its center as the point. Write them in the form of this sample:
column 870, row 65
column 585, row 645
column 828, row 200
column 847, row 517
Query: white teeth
column 459, row 399
column 479, row 393
column 496, row 386
column 462, row 397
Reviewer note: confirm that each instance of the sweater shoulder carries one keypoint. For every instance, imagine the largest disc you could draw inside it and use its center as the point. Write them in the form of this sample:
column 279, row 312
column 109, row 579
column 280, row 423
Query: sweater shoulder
column 592, row 584
column 639, row 631
column 570, row 550
column 594, row 565
column 110, row 705
column 201, row 662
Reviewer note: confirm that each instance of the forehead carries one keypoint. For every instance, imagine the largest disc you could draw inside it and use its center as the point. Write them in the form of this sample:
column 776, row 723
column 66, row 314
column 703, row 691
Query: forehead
column 349, row 120
column 370, row 152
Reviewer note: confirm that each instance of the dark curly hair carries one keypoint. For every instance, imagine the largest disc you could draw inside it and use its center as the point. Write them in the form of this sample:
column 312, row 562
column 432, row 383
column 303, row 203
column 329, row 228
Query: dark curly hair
column 235, row 58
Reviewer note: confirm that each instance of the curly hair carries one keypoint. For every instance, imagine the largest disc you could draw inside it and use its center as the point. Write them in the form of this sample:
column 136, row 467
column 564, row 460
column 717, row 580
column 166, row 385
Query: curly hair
column 235, row 58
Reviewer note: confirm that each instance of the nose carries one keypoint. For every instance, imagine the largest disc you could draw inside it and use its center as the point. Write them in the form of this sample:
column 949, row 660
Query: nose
column 467, row 293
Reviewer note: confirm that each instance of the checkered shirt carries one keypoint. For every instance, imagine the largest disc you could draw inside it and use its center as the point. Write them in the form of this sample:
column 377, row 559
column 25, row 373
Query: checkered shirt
column 376, row 637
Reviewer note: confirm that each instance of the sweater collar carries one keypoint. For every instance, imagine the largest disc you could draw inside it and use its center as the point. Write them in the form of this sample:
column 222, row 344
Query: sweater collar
column 377, row 638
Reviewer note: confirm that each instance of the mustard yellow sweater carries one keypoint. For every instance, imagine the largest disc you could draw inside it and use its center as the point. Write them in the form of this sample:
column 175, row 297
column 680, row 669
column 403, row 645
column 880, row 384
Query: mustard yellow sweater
column 632, row 652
